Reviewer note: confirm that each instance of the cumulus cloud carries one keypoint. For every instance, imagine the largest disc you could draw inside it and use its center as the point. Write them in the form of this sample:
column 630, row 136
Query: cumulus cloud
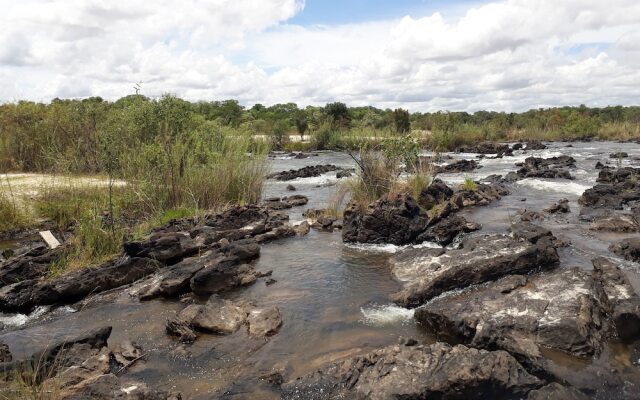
column 505, row 55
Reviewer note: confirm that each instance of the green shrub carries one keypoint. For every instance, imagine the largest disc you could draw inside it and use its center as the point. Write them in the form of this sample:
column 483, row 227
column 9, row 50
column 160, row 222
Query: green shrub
column 470, row 184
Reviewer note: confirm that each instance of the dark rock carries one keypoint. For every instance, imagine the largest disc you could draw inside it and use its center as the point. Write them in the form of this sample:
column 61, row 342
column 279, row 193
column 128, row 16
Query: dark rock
column 167, row 248
column 619, row 154
column 5, row 354
column 529, row 215
column 531, row 232
column 344, row 174
column 305, row 172
column 484, row 148
column 616, row 222
column 398, row 221
column 278, row 233
column 437, row 192
column 561, row 310
column 599, row 165
column 437, row 371
column 552, row 168
column 619, row 175
column 236, row 218
column 560, row 207
column 457, row 167
column 445, row 231
column 31, row 264
column 610, row 196
column 427, row 273
column 535, row 145
column 291, row 188
column 629, row 249
column 270, row 282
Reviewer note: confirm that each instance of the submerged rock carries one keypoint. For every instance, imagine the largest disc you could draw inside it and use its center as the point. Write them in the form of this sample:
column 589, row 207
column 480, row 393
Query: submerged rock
column 629, row 249
column 264, row 322
column 427, row 273
column 619, row 154
column 418, row 372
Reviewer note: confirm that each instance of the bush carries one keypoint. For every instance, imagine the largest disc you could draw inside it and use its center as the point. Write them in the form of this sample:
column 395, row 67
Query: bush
column 469, row 184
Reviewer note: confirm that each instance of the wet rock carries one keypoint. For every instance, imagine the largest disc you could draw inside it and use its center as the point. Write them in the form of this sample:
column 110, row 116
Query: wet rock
column 561, row 310
column 610, row 196
column 180, row 325
column 270, row 282
column 5, row 354
column 623, row 302
column 126, row 351
column 600, row 165
column 483, row 195
column 552, row 168
column 629, row 249
column 344, row 174
column 535, row 145
column 427, row 273
column 560, row 207
column 324, row 223
column 484, row 148
column 445, row 231
column 531, row 232
column 220, row 316
column 556, row 391
column 457, row 167
column 397, row 221
column 305, row 172
column 436, row 193
column 109, row 386
column 616, row 222
column 167, row 248
column 418, row 372
column 32, row 263
column 278, row 233
column 236, row 218
column 619, row 154
column 264, row 322
column 291, row 188
column 302, row 228
column 529, row 215
column 619, row 175
column 296, row 200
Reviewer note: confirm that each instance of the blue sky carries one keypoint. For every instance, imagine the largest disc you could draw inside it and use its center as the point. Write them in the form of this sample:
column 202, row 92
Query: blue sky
column 331, row 12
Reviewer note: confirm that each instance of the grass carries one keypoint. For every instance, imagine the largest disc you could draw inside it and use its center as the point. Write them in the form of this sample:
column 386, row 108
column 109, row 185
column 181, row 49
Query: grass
column 469, row 184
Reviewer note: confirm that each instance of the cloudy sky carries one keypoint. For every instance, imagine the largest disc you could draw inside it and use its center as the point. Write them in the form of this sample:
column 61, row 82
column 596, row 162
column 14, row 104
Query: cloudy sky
column 424, row 55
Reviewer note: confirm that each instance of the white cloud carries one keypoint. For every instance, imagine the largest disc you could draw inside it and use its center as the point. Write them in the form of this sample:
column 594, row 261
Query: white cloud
column 509, row 55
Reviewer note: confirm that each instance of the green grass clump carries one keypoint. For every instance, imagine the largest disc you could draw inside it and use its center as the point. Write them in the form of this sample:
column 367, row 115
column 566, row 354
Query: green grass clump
column 470, row 185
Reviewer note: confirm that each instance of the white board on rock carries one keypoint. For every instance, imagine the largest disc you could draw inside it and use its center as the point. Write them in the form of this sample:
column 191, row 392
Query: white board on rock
column 49, row 239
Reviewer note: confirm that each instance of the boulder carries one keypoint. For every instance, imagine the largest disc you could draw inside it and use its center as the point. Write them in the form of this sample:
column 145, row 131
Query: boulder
column 166, row 247
column 560, row 207
column 535, row 145
column 552, row 168
column 427, row 273
column 484, row 148
column 264, row 322
column 397, row 221
column 437, row 371
column 291, row 188
column 305, row 172
column 457, row 167
column 31, row 264
column 445, row 231
column 561, row 310
column 616, row 222
column 529, row 215
column 629, row 249
column 619, row 154
column 437, row 192
column 555, row 391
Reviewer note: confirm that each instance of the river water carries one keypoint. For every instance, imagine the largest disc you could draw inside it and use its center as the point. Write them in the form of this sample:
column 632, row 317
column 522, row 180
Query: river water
column 334, row 298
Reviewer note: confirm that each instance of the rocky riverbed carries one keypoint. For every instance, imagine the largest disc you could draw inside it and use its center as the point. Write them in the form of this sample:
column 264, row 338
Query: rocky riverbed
column 524, row 286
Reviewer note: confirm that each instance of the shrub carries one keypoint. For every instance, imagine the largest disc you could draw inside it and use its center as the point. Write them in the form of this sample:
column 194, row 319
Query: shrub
column 469, row 184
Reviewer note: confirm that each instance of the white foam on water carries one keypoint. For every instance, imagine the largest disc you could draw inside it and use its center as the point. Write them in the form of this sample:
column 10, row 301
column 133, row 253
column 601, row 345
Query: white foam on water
column 390, row 248
column 324, row 179
column 564, row 187
column 380, row 315
column 21, row 319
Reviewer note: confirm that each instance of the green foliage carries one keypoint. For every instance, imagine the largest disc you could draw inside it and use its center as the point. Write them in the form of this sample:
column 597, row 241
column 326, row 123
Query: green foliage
column 338, row 115
column 469, row 184
column 401, row 120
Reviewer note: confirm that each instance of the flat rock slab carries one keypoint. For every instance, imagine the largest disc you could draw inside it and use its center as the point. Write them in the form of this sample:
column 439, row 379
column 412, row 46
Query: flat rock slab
column 427, row 273
column 629, row 249
column 437, row 371
column 562, row 310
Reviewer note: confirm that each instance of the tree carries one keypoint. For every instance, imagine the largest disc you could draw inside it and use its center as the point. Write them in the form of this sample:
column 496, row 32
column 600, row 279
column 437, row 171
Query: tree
column 301, row 123
column 338, row 114
column 401, row 120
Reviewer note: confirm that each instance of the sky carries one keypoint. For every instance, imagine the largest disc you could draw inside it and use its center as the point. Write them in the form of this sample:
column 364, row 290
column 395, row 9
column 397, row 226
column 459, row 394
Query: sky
column 423, row 55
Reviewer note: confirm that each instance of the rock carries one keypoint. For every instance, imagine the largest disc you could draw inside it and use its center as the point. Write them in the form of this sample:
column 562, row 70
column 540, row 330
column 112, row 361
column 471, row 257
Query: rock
column 220, row 316
column 296, row 200
column 291, row 188
column 437, row 192
column 484, row 148
column 264, row 322
column 237, row 217
column 32, row 264
column 560, row 207
column 5, row 354
column 109, row 386
column 531, row 232
column 623, row 301
column 561, row 310
column 437, row 371
column 529, row 215
column 629, row 249
column 168, row 248
column 445, row 231
column 556, row 391
column 181, row 324
column 344, row 174
column 302, row 228
column 616, row 222
column 535, row 145
column 619, row 154
column 610, row 195
column 600, row 165
column 324, row 222
column 276, row 234
column 427, row 273
column 619, row 175
column 270, row 282
column 305, row 172
column 554, row 167
column 397, row 221
column 74, row 286
column 126, row 351
column 457, row 167
column 483, row 195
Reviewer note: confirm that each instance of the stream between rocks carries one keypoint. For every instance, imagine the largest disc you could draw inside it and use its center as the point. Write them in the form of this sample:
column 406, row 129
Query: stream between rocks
column 335, row 298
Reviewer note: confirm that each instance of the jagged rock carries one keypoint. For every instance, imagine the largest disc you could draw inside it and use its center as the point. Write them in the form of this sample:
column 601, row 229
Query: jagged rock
column 69, row 288
column 305, row 172
column 216, row 316
column 529, row 215
column 484, row 148
column 344, row 174
column 623, row 301
column 445, row 231
column 554, row 167
column 617, row 222
column 457, row 167
column 600, row 165
column 236, row 218
column 483, row 195
column 264, row 322
column 618, row 175
column 427, row 273
column 436, row 193
column 5, row 354
column 276, row 234
column 629, row 249
column 535, row 145
column 531, row 232
column 302, row 228
column 167, row 248
column 397, row 221
column 291, row 188
column 31, row 264
column 561, row 310
column 619, row 154
column 560, row 207
column 555, row 391
column 277, row 203
column 437, row 371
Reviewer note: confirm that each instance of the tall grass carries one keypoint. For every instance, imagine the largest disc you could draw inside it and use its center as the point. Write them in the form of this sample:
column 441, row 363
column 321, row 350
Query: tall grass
column 12, row 214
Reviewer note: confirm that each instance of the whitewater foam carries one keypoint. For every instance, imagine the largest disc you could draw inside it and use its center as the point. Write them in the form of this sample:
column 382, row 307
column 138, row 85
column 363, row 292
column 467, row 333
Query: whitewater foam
column 563, row 187
column 390, row 248
column 380, row 315
column 21, row 319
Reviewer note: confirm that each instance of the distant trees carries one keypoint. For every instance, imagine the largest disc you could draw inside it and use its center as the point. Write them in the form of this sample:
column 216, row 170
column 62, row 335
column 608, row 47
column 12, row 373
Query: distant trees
column 401, row 120
column 338, row 114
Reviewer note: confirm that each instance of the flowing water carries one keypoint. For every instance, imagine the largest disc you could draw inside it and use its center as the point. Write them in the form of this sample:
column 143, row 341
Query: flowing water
column 333, row 297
